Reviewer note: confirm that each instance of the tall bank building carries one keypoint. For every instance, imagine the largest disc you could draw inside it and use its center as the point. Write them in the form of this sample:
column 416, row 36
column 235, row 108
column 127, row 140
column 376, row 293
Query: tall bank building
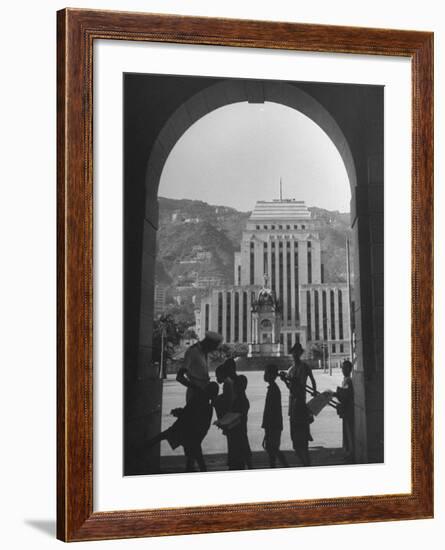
column 279, row 296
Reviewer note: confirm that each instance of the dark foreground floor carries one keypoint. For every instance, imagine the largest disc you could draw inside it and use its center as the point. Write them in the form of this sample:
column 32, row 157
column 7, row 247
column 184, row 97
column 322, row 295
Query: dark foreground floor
column 320, row 456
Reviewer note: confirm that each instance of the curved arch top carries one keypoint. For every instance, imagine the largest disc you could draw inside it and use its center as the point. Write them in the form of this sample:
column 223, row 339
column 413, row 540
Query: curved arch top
column 232, row 91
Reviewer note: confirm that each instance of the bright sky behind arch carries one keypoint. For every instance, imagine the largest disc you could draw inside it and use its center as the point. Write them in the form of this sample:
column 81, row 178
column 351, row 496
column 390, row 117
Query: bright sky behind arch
column 237, row 154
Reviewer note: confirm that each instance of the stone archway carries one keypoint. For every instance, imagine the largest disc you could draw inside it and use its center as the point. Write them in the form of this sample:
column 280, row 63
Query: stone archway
column 362, row 155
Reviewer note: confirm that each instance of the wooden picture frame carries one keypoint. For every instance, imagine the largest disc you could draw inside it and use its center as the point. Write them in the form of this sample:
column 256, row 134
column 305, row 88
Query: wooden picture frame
column 77, row 31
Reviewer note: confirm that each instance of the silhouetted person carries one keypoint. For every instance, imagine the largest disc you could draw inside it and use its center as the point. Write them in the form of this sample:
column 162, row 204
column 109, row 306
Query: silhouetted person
column 300, row 371
column 192, row 424
column 345, row 394
column 195, row 371
column 225, row 375
column 230, row 368
column 299, row 415
column 273, row 418
column 239, row 452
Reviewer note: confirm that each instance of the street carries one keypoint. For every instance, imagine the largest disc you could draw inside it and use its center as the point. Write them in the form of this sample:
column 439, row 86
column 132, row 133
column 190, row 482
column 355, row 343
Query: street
column 326, row 429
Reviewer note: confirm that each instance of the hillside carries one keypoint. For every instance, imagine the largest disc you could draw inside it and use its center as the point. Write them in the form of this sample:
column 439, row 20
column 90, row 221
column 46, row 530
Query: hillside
column 333, row 234
column 197, row 241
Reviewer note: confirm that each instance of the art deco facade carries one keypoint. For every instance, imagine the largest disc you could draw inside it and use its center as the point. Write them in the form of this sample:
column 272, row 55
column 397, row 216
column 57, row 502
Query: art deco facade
column 280, row 253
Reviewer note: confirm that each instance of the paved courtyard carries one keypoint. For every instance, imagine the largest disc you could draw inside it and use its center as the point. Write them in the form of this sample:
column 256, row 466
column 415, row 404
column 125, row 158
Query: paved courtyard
column 326, row 429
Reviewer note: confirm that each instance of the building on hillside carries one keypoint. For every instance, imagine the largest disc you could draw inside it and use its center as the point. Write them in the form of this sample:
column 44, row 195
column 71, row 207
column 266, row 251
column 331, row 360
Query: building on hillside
column 279, row 296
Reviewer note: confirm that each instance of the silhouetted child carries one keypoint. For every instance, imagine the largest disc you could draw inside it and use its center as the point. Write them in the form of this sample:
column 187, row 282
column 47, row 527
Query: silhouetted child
column 273, row 418
column 225, row 375
column 239, row 453
column 192, row 424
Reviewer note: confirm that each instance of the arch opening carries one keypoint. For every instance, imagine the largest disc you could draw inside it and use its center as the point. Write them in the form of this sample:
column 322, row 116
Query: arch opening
column 229, row 93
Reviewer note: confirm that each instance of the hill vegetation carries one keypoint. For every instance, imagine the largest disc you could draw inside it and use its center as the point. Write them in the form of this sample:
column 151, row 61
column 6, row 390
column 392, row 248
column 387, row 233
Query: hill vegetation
column 196, row 245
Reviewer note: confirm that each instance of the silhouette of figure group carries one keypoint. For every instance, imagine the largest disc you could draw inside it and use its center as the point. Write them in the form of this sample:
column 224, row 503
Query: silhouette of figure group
column 232, row 405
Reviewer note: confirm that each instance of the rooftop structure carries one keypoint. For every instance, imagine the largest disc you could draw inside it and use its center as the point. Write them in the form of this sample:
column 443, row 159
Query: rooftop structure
column 280, row 209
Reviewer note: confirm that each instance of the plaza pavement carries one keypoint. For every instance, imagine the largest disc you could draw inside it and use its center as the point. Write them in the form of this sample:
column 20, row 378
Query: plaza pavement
column 326, row 429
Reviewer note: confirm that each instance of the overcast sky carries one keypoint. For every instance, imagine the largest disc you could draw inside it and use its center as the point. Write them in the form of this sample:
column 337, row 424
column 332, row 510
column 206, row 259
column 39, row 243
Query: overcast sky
column 236, row 155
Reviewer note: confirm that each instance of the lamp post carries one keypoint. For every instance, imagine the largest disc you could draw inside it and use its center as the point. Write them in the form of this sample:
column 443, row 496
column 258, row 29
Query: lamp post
column 329, row 351
column 163, row 335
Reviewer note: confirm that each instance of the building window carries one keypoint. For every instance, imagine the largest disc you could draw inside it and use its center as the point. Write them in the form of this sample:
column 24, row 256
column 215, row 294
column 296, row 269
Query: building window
column 303, row 227
column 309, row 316
column 280, row 272
column 272, row 227
column 220, row 313
column 289, row 342
column 280, row 227
column 297, row 284
column 265, row 261
column 273, row 258
column 265, row 227
column 281, row 338
column 317, row 316
column 332, row 315
column 207, row 316
column 334, row 350
column 340, row 316
column 244, row 316
column 288, row 284
column 228, row 316
column 287, row 226
column 236, row 336
column 258, row 227
column 342, row 348
column 239, row 275
column 295, row 226
column 252, row 264
column 325, row 316
column 309, row 263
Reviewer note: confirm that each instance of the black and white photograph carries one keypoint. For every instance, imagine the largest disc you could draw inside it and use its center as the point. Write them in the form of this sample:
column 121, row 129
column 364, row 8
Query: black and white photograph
column 221, row 234
column 253, row 274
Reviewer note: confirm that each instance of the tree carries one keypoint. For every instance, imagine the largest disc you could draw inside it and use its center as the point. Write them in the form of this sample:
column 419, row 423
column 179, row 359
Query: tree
column 227, row 351
column 318, row 352
column 166, row 336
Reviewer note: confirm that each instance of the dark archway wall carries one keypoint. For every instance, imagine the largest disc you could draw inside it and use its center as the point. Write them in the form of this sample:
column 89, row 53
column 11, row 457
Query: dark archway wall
column 149, row 101
column 364, row 132
column 154, row 118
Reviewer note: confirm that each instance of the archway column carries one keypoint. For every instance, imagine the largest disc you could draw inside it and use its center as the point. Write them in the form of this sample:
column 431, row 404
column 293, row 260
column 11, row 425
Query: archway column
column 367, row 214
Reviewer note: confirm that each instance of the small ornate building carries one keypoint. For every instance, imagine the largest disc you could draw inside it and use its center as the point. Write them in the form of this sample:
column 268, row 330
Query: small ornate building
column 266, row 324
